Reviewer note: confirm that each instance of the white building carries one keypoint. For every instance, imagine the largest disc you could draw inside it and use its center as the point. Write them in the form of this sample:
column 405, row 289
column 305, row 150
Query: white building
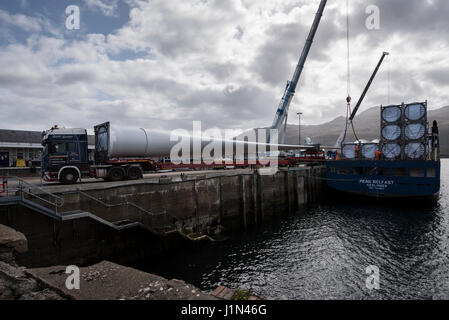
column 26, row 145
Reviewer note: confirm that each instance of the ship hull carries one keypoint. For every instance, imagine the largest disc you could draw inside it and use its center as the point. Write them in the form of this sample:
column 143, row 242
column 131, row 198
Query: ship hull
column 385, row 179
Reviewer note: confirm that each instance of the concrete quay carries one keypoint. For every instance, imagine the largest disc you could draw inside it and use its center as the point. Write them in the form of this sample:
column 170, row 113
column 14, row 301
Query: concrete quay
column 129, row 221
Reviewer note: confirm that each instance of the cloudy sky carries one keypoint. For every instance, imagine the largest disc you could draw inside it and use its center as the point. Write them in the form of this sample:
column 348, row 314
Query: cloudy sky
column 165, row 63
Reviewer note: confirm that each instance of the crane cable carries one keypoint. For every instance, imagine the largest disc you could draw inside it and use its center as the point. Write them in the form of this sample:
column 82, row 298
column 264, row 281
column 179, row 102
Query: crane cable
column 348, row 59
column 348, row 54
column 348, row 73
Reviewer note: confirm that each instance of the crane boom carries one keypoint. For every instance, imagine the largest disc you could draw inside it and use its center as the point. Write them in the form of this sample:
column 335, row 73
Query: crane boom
column 359, row 103
column 362, row 97
column 281, row 117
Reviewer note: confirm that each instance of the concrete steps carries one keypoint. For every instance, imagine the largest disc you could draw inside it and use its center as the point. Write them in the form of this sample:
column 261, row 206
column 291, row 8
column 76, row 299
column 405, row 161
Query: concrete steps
column 76, row 214
column 117, row 225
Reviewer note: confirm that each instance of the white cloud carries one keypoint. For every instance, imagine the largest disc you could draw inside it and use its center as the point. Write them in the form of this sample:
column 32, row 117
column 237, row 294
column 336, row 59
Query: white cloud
column 107, row 7
column 223, row 62
column 21, row 21
column 35, row 25
column 24, row 4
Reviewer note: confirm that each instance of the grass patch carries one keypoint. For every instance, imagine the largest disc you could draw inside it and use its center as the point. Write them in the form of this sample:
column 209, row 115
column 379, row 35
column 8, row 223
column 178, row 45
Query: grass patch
column 241, row 295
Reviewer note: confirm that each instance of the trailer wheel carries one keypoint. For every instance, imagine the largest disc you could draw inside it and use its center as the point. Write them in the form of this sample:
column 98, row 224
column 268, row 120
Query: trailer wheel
column 134, row 173
column 116, row 174
column 69, row 176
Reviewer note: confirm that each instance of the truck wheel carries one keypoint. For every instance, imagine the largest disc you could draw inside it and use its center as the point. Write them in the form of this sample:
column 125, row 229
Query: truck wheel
column 134, row 173
column 116, row 174
column 69, row 176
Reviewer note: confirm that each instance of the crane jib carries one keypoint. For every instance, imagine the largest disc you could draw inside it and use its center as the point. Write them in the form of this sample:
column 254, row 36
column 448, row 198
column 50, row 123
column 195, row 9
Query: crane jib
column 362, row 97
column 359, row 103
column 282, row 112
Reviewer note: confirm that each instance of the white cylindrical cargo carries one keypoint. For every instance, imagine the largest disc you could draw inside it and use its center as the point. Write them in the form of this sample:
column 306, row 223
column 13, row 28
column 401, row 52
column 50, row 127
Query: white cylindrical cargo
column 391, row 150
column 127, row 143
column 369, row 151
column 415, row 131
column 415, row 150
column 415, row 112
column 391, row 132
column 144, row 143
column 392, row 114
column 349, row 151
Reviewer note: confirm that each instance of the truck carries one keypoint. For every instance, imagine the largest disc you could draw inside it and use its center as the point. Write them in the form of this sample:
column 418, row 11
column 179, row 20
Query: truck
column 119, row 155
column 122, row 154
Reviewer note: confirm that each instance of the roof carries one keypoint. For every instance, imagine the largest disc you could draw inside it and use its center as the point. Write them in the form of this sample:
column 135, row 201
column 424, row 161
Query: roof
column 19, row 136
column 67, row 131
column 64, row 132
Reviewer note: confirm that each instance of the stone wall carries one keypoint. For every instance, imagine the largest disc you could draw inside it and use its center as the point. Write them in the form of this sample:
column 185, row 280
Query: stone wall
column 232, row 201
column 201, row 206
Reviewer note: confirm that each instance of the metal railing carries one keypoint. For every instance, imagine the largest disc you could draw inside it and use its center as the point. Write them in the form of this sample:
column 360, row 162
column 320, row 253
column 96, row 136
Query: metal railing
column 19, row 190
column 17, row 187
column 140, row 211
column 108, row 205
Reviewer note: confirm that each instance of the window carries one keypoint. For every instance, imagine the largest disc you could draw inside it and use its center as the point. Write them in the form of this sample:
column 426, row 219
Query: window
column 102, row 139
column 384, row 172
column 357, row 171
column 63, row 147
column 399, row 172
column 371, row 171
column 59, row 147
column 431, row 173
column 343, row 170
column 417, row 173
column 71, row 147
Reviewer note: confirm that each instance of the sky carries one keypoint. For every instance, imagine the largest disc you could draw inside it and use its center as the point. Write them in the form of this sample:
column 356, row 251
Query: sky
column 161, row 64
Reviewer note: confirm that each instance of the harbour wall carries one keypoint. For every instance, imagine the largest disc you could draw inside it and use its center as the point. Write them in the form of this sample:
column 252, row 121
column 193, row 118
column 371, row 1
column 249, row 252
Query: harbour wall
column 134, row 221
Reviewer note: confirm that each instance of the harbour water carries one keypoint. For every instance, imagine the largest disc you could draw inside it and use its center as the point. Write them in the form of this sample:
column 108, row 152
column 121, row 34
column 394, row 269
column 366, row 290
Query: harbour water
column 323, row 251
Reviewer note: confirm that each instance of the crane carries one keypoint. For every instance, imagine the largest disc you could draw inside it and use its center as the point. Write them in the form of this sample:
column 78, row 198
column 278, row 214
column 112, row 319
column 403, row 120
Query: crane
column 359, row 103
column 281, row 117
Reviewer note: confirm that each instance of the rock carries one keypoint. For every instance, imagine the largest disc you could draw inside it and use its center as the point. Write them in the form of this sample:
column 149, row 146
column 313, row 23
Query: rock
column 12, row 239
column 41, row 295
column 15, row 283
column 7, row 295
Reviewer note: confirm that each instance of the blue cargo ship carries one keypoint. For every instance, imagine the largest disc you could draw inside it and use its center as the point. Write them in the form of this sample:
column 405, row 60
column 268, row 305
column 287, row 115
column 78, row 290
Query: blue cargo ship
column 382, row 179
column 405, row 162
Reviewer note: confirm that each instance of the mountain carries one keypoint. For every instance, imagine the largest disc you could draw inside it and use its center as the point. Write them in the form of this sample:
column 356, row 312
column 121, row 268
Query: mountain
column 367, row 126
